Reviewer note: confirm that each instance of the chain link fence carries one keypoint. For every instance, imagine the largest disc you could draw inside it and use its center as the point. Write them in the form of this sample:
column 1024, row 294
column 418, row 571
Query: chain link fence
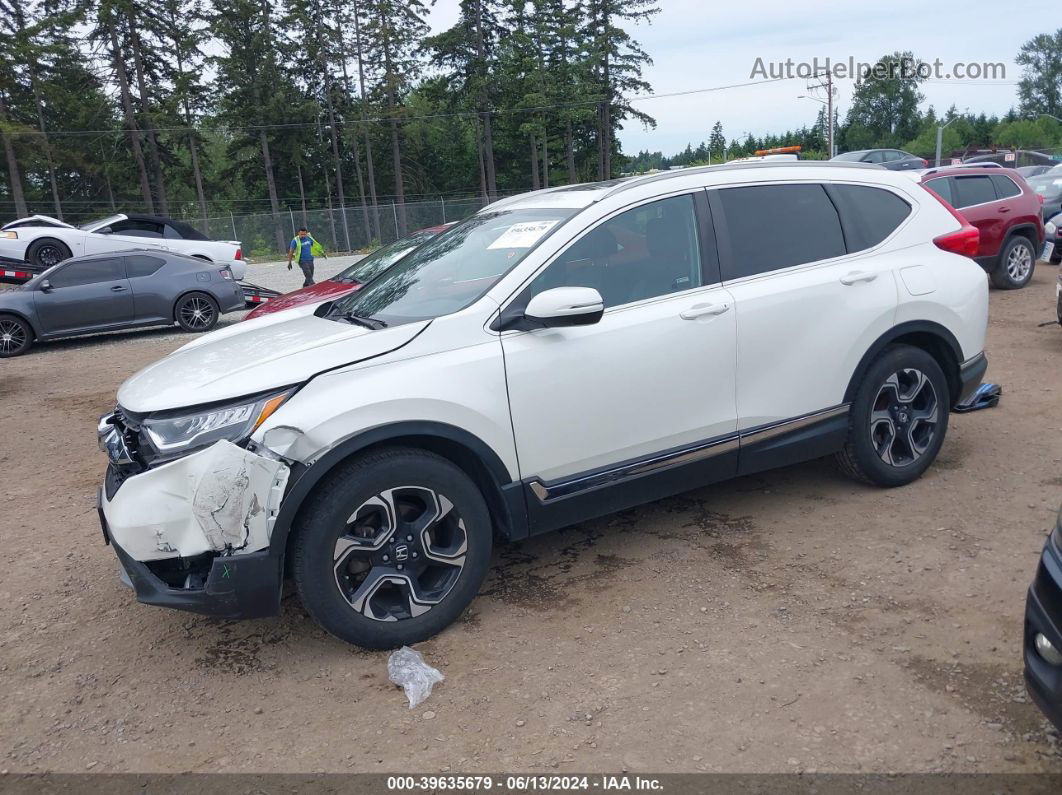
column 350, row 229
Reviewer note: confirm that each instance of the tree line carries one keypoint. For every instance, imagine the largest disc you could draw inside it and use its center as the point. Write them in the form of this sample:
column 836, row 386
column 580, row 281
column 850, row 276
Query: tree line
column 193, row 107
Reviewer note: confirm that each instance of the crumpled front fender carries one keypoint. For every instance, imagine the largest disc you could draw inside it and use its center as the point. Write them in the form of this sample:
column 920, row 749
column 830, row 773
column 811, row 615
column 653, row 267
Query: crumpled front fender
column 223, row 499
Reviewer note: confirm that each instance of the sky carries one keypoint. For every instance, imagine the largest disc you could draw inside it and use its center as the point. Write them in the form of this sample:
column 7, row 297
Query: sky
column 698, row 44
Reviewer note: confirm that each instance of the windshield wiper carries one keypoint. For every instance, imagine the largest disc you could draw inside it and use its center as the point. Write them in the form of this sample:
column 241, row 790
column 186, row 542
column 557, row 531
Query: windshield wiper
column 373, row 323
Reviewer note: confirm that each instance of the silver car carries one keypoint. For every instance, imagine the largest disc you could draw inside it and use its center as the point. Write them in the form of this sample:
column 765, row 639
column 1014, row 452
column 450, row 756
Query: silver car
column 110, row 292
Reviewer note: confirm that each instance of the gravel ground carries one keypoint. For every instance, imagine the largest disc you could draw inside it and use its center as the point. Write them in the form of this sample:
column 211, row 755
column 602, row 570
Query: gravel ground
column 789, row 621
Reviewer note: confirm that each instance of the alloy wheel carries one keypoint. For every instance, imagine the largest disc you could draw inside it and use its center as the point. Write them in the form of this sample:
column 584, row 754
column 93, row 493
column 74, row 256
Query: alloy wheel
column 905, row 417
column 197, row 313
column 1019, row 263
column 400, row 553
column 12, row 336
column 48, row 255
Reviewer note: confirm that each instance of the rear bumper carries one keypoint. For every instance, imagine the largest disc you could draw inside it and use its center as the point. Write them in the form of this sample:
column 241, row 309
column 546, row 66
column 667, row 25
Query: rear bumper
column 1043, row 614
column 971, row 374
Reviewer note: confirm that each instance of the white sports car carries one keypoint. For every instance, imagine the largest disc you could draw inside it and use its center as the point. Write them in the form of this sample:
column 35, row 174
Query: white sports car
column 31, row 245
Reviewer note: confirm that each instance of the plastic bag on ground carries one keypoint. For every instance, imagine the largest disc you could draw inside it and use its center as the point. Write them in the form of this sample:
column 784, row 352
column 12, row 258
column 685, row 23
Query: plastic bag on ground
column 407, row 669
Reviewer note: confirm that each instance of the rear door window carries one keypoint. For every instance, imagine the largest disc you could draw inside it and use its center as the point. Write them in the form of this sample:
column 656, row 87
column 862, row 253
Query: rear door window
column 973, row 190
column 870, row 214
column 778, row 226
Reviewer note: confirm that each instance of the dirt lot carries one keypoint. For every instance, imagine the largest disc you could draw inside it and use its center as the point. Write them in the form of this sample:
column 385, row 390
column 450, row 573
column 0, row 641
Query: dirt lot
column 790, row 621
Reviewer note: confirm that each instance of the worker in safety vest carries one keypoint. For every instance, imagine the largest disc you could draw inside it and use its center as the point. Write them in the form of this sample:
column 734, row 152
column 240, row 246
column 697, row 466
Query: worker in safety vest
column 305, row 248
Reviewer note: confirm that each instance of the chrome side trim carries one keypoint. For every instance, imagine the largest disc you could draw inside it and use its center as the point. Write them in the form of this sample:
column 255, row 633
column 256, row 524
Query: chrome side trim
column 763, row 432
column 699, row 452
column 645, row 466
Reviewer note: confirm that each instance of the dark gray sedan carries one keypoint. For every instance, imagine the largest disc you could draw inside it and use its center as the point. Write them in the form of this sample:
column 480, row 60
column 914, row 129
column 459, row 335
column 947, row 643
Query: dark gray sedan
column 111, row 292
column 892, row 159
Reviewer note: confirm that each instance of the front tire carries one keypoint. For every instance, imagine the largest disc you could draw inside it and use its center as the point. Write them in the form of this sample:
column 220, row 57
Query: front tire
column 898, row 419
column 46, row 252
column 16, row 336
column 196, row 312
column 1017, row 261
column 391, row 548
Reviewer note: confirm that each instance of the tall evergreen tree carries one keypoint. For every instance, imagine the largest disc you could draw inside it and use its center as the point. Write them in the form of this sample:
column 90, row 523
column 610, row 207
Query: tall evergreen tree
column 393, row 30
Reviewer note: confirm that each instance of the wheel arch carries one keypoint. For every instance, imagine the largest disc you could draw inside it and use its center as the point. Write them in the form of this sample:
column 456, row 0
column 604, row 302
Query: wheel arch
column 1026, row 230
column 46, row 238
column 25, row 319
column 466, row 451
column 931, row 337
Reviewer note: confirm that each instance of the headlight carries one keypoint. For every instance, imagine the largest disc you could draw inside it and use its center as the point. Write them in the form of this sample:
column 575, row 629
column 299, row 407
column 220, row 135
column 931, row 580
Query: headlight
column 1050, row 229
column 9, row 235
column 174, row 433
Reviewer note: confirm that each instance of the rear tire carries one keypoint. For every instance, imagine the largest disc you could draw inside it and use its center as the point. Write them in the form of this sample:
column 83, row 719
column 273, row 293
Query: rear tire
column 46, row 252
column 391, row 548
column 16, row 336
column 196, row 312
column 898, row 419
column 1017, row 261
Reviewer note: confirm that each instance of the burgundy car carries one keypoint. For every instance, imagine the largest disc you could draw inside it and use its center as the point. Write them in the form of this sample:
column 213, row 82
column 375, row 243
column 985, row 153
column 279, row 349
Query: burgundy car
column 1004, row 209
column 351, row 279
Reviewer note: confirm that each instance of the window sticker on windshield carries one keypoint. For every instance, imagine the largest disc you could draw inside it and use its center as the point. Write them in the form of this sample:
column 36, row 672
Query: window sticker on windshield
column 523, row 235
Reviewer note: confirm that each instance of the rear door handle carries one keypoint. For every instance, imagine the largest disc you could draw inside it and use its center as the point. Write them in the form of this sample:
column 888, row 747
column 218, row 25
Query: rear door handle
column 1004, row 209
column 118, row 289
column 858, row 276
column 703, row 310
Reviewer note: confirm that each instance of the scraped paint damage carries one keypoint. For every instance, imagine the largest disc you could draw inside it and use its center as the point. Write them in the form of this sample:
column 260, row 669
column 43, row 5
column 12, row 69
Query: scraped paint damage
column 230, row 495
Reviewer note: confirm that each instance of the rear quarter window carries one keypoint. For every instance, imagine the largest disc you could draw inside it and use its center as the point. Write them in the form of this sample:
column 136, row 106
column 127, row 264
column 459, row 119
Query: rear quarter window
column 942, row 187
column 778, row 226
column 1004, row 185
column 137, row 265
column 870, row 214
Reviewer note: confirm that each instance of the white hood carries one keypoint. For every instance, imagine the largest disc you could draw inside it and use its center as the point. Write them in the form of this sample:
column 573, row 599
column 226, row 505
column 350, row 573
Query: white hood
column 46, row 220
column 229, row 364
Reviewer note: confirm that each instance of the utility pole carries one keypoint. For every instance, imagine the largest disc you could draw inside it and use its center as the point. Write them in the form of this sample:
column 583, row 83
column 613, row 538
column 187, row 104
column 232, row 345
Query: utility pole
column 825, row 81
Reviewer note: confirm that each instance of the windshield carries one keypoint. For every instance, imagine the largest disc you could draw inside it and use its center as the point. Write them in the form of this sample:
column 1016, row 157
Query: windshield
column 110, row 219
column 367, row 269
column 851, row 155
column 453, row 270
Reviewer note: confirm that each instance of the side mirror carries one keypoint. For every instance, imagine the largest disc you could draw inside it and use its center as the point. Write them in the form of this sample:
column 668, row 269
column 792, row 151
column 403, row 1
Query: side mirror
column 46, row 286
column 566, row 306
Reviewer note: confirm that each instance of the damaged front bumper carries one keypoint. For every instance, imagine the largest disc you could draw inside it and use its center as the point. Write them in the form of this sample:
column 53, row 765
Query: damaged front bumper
column 194, row 533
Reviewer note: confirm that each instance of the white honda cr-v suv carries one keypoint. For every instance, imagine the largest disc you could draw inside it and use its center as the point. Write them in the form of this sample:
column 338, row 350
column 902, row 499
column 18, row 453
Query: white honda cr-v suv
column 558, row 356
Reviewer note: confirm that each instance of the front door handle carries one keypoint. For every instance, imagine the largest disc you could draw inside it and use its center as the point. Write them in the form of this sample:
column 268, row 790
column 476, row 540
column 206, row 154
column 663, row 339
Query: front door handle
column 858, row 276
column 703, row 310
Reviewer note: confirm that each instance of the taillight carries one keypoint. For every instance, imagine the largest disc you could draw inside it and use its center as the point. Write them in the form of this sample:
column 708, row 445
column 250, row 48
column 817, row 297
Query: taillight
column 226, row 274
column 965, row 240
column 925, row 164
column 1040, row 196
column 239, row 254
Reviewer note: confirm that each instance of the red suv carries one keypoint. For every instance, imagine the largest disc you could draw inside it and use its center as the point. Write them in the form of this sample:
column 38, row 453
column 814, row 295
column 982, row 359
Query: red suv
column 1006, row 211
